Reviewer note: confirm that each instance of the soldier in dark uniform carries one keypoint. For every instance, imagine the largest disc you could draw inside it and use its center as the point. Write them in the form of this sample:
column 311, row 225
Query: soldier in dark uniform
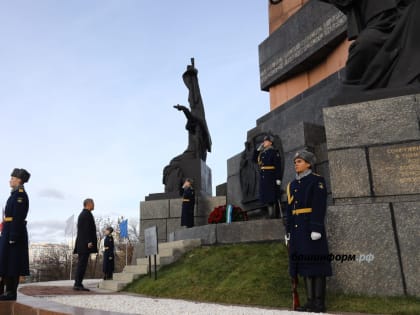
column 109, row 256
column 269, row 163
column 308, row 246
column 14, row 254
column 86, row 242
column 188, row 202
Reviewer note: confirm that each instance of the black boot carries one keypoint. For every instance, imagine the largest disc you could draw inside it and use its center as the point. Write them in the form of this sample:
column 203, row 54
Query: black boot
column 271, row 211
column 11, row 289
column 1, row 286
column 310, row 294
column 320, row 286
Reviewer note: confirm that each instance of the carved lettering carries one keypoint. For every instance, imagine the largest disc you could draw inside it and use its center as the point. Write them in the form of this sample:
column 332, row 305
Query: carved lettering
column 298, row 51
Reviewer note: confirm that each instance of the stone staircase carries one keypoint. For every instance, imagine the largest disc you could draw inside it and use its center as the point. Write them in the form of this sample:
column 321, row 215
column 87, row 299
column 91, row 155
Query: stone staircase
column 168, row 253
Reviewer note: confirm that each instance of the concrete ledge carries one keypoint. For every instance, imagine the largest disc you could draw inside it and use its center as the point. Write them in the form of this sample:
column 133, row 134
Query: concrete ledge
column 250, row 231
column 207, row 234
column 236, row 232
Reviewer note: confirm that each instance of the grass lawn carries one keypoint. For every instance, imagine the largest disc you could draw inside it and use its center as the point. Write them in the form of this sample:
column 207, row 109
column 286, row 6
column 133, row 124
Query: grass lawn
column 251, row 274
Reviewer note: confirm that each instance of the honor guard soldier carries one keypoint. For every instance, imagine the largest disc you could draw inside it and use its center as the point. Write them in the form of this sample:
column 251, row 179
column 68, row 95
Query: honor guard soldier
column 188, row 202
column 14, row 254
column 269, row 164
column 109, row 256
column 308, row 246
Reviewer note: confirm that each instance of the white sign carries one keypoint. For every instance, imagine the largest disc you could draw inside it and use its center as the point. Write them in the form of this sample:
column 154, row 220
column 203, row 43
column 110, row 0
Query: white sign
column 151, row 241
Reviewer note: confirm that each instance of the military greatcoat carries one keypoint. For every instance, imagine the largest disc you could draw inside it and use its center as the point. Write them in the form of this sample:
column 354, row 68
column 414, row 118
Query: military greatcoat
column 109, row 256
column 14, row 254
column 188, row 202
column 307, row 204
column 270, row 170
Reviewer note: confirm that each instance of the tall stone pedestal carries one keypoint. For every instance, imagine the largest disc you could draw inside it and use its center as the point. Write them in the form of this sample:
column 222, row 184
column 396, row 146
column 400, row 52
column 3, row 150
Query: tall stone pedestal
column 374, row 162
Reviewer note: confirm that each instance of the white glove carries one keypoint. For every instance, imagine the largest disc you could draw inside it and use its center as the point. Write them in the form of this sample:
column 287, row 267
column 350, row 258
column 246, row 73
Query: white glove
column 278, row 182
column 315, row 236
column 287, row 238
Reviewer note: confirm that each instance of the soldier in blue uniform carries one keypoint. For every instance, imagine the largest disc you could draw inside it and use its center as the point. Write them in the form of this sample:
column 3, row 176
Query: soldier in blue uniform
column 269, row 164
column 14, row 254
column 109, row 256
column 188, row 202
column 308, row 246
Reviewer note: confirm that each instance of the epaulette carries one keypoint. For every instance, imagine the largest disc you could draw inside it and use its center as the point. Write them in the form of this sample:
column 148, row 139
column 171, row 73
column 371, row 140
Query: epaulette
column 21, row 190
column 316, row 174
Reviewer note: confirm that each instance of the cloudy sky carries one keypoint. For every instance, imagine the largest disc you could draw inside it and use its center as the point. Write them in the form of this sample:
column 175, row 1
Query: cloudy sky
column 87, row 89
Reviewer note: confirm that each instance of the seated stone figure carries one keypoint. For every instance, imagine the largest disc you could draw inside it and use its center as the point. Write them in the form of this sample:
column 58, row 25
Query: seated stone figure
column 386, row 44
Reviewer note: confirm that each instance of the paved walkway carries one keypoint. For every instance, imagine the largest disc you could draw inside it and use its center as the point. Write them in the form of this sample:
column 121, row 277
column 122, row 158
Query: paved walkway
column 97, row 301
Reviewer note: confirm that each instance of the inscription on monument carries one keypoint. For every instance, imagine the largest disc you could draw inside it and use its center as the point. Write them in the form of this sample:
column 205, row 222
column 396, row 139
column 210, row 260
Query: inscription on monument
column 295, row 47
column 396, row 169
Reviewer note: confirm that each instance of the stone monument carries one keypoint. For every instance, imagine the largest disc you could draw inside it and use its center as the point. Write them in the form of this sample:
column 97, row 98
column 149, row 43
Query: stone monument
column 192, row 162
column 164, row 209
column 363, row 127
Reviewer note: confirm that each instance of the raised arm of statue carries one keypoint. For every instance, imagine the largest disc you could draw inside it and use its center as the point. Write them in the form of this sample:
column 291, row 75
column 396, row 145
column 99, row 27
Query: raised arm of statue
column 186, row 111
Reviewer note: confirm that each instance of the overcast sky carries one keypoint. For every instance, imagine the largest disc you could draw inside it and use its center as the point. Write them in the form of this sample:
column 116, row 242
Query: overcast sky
column 87, row 89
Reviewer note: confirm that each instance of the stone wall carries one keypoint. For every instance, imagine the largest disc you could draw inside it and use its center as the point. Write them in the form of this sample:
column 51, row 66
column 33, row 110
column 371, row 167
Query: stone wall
column 374, row 158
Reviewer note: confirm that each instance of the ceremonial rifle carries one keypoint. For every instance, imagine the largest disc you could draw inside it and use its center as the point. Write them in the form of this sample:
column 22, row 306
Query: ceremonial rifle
column 295, row 295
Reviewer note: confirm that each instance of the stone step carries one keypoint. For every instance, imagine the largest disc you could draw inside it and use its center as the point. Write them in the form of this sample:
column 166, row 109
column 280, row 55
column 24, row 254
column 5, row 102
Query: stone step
column 188, row 244
column 137, row 269
column 178, row 248
column 113, row 285
column 168, row 260
column 168, row 253
column 145, row 261
column 126, row 276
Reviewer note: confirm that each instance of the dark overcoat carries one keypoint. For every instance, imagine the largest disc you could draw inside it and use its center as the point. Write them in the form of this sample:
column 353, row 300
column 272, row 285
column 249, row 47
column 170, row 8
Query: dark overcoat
column 109, row 256
column 307, row 204
column 269, row 165
column 14, row 258
column 86, row 233
column 188, row 202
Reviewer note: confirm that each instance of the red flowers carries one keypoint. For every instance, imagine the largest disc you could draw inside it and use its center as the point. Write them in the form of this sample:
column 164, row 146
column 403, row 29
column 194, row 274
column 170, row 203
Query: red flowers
column 218, row 215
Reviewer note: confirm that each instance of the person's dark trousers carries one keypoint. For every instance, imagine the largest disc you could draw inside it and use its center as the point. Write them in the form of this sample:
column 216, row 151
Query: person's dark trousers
column 11, row 289
column 81, row 268
column 108, row 276
column 1, row 286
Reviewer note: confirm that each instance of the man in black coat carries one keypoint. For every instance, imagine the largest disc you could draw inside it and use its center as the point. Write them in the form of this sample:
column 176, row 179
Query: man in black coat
column 14, row 254
column 86, row 242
